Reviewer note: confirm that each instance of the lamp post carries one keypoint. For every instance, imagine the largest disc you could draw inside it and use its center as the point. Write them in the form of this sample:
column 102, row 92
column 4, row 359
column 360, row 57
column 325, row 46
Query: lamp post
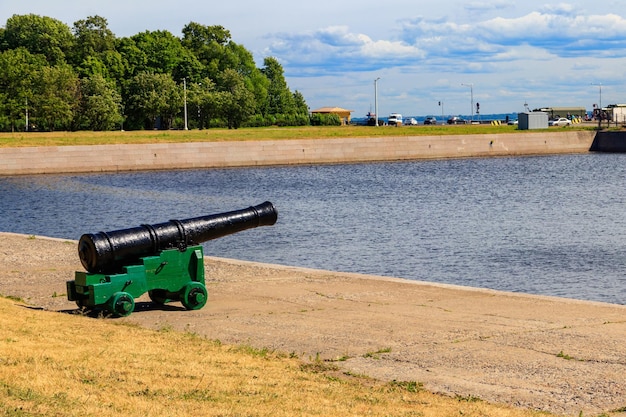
column 600, row 89
column 26, row 127
column 600, row 113
column 441, row 104
column 471, row 86
column 376, row 98
column 185, row 95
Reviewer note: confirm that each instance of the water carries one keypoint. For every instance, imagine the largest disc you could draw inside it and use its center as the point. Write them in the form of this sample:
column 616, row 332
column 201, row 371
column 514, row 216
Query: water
column 550, row 225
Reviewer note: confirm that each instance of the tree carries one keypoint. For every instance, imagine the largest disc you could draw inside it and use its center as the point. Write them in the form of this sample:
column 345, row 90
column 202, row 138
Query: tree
column 95, row 49
column 93, row 37
column 204, row 102
column 56, row 97
column 258, row 84
column 197, row 37
column 18, row 72
column 163, row 51
column 152, row 100
column 100, row 105
column 133, row 59
column 188, row 68
column 39, row 35
column 238, row 102
column 213, row 47
column 207, row 44
column 279, row 98
column 300, row 105
column 74, row 78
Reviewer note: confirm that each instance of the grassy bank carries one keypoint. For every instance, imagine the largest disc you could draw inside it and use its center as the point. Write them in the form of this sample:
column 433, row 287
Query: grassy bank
column 54, row 364
column 246, row 134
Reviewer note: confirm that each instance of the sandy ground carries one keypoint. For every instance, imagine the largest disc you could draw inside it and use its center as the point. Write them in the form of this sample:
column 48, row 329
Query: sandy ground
column 542, row 353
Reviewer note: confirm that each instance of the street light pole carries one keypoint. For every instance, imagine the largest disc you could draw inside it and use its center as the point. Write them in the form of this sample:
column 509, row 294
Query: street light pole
column 26, row 128
column 600, row 114
column 471, row 86
column 600, row 87
column 376, row 98
column 185, row 94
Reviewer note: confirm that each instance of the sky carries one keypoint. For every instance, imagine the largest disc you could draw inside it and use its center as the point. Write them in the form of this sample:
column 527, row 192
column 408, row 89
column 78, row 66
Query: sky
column 409, row 56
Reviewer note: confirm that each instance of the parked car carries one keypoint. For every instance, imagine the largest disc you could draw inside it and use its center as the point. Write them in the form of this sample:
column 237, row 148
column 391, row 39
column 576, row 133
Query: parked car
column 395, row 119
column 430, row 120
column 562, row 121
column 410, row 121
column 455, row 120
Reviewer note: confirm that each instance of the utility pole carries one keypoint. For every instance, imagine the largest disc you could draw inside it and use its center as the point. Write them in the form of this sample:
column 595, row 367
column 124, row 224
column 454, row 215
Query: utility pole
column 26, row 128
column 376, row 98
column 471, row 86
column 600, row 112
column 185, row 94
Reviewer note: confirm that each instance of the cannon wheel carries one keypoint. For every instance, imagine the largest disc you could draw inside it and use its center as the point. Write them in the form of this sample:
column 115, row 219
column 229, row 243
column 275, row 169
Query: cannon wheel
column 159, row 296
column 194, row 296
column 121, row 304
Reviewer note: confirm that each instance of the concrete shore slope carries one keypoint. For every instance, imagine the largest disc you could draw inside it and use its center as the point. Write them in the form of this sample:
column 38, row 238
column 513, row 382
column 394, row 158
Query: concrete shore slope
column 528, row 351
column 157, row 156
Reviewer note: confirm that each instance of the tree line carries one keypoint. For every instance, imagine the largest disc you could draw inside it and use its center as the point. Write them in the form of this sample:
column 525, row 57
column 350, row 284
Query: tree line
column 53, row 77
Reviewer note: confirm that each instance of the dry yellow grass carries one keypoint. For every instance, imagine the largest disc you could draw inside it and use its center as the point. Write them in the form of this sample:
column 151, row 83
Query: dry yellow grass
column 54, row 364
column 273, row 133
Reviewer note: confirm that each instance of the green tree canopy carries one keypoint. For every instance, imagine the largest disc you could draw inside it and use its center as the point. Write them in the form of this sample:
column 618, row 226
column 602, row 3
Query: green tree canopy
column 93, row 36
column 87, row 78
column 95, row 49
column 56, row 98
column 19, row 70
column 279, row 98
column 238, row 102
column 162, row 50
column 99, row 106
column 153, row 100
column 39, row 35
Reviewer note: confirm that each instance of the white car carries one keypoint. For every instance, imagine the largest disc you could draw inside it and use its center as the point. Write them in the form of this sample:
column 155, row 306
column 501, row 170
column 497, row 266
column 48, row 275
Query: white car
column 560, row 122
column 410, row 121
column 394, row 119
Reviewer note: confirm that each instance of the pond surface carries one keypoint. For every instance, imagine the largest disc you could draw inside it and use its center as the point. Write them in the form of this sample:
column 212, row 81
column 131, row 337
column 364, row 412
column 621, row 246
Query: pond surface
column 552, row 225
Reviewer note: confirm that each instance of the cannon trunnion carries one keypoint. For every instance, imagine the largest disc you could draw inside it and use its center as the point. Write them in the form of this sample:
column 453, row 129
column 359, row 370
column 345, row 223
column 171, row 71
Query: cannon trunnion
column 165, row 260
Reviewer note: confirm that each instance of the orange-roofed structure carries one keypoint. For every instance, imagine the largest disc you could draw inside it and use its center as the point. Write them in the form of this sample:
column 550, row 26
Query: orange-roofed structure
column 344, row 115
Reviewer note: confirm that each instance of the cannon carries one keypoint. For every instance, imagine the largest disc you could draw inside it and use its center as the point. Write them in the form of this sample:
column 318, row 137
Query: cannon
column 165, row 260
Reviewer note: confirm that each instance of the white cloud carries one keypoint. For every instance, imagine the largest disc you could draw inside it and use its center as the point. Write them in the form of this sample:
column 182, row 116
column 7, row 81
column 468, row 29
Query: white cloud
column 482, row 6
column 336, row 49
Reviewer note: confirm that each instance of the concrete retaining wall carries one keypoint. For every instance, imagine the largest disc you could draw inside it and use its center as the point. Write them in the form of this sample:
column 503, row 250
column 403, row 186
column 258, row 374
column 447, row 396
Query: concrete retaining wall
column 609, row 141
column 101, row 158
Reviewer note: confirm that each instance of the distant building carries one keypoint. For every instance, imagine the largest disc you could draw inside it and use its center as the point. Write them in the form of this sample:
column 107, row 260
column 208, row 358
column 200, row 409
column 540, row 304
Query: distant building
column 556, row 112
column 344, row 115
column 616, row 113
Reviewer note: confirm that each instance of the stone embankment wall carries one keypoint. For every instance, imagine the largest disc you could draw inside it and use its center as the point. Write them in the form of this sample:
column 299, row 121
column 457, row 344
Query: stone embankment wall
column 156, row 156
column 609, row 141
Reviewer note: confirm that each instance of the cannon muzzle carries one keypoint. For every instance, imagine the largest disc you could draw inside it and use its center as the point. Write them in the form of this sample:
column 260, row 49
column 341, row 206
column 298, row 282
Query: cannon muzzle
column 107, row 252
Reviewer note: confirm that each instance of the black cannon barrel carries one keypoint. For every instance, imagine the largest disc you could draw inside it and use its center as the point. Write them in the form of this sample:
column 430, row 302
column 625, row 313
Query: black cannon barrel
column 106, row 252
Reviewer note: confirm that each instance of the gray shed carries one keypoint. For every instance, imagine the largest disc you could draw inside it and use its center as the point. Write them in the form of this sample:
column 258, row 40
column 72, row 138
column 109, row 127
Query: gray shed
column 532, row 120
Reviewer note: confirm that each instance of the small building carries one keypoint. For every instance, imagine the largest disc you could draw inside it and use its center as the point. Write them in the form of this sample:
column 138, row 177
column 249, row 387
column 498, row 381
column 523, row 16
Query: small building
column 344, row 115
column 556, row 112
column 532, row 120
column 616, row 113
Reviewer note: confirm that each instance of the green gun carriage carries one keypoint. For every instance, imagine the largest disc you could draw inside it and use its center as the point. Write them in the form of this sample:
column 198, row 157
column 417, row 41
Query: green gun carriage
column 165, row 260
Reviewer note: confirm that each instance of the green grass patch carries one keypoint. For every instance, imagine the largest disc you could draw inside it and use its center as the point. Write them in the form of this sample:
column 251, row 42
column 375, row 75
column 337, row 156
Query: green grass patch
column 25, row 139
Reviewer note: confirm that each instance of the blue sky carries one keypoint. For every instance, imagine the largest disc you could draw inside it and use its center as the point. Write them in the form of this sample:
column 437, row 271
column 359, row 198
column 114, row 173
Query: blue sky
column 511, row 53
